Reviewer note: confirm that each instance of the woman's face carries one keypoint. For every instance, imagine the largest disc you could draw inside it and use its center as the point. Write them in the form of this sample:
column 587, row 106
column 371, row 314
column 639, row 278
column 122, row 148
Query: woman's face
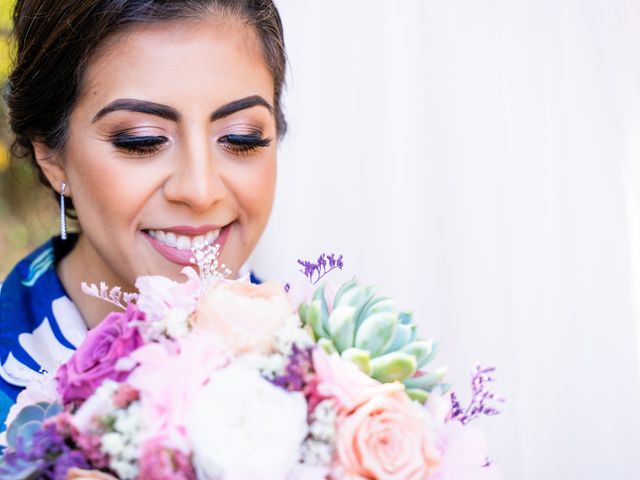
column 172, row 141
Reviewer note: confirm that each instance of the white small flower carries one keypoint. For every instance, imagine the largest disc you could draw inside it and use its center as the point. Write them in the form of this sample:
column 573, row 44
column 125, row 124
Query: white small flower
column 245, row 427
column 323, row 425
column 107, row 388
column 315, row 452
column 97, row 405
column 269, row 366
column 123, row 443
column 176, row 323
column 292, row 333
column 112, row 444
column 128, row 422
column 130, row 453
column 318, row 449
column 125, row 470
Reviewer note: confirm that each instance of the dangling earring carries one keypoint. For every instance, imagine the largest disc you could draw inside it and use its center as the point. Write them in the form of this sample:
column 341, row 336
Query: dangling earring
column 63, row 216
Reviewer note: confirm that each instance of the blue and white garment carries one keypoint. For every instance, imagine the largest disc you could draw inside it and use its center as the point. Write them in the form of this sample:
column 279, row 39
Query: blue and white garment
column 40, row 327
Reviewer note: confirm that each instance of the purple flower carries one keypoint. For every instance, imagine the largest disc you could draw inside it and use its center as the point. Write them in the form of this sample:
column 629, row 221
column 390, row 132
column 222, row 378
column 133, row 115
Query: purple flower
column 480, row 397
column 47, row 455
column 321, row 267
column 96, row 358
column 66, row 461
column 298, row 372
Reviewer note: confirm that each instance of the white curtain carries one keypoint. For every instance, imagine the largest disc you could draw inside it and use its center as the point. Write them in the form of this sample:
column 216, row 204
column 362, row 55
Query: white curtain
column 479, row 160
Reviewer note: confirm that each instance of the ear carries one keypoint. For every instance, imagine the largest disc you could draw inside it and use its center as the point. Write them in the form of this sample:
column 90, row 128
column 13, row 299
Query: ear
column 51, row 164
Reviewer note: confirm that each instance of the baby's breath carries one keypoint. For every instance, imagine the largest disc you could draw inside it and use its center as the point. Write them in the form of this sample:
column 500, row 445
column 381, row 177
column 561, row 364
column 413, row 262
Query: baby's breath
column 205, row 256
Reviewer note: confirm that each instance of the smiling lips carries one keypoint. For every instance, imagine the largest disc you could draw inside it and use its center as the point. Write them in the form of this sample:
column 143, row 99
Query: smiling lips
column 184, row 242
column 175, row 243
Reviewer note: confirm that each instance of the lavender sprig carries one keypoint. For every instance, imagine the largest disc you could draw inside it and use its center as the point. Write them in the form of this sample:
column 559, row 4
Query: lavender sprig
column 324, row 264
column 480, row 395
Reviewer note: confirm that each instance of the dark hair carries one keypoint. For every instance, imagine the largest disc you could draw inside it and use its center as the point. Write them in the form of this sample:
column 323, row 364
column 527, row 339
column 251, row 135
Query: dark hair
column 55, row 40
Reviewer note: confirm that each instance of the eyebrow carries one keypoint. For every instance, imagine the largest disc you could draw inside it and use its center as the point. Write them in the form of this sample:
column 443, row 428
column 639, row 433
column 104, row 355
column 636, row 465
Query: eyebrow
column 170, row 113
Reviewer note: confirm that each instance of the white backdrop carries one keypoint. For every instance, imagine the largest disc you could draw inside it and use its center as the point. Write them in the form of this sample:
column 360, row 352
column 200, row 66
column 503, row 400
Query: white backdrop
column 478, row 159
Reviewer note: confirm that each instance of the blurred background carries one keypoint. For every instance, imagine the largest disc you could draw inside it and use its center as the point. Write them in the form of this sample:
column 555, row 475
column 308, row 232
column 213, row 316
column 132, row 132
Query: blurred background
column 28, row 214
column 477, row 159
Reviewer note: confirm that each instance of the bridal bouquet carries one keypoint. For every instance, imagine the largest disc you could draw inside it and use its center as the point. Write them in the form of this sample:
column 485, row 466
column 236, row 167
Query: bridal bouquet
column 221, row 379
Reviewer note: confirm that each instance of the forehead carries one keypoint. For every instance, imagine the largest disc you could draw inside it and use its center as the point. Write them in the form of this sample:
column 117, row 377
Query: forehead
column 183, row 62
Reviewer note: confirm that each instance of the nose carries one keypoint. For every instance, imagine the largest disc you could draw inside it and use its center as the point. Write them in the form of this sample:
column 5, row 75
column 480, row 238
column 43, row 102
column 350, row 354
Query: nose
column 195, row 178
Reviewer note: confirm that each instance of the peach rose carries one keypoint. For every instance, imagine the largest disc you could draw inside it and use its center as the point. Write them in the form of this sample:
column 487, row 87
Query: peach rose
column 388, row 437
column 246, row 316
column 79, row 474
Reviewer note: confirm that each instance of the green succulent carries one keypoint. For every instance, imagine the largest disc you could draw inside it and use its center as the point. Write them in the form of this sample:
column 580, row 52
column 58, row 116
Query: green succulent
column 368, row 330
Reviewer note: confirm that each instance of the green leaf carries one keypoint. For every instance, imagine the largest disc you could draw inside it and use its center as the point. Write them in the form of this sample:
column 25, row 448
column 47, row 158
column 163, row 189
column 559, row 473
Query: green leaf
column 402, row 337
column 344, row 288
column 406, row 318
column 382, row 304
column 342, row 327
column 314, row 318
column 417, row 395
column 377, row 332
column 327, row 345
column 427, row 381
column 395, row 366
column 52, row 410
column 319, row 296
column 423, row 350
column 302, row 313
column 360, row 357
column 29, row 414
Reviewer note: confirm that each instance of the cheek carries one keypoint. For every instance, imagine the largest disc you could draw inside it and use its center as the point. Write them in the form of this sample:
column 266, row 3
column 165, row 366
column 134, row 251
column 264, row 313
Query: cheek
column 108, row 190
column 254, row 188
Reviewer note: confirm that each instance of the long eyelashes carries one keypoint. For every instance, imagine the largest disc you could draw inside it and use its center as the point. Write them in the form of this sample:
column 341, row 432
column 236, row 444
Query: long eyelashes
column 146, row 145
column 138, row 145
column 244, row 144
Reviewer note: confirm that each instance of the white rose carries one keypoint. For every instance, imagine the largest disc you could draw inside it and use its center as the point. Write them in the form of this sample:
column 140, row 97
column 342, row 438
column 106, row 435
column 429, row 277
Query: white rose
column 242, row 427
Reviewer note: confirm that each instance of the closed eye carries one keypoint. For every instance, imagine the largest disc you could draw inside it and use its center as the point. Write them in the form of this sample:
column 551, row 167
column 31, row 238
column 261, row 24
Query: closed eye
column 140, row 145
column 244, row 144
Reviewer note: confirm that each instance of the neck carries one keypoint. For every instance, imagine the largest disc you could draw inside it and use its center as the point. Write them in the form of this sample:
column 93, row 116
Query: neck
column 81, row 265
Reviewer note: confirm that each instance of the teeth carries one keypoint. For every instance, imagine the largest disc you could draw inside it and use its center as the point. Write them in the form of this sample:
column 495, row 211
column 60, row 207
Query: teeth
column 182, row 242
column 211, row 236
column 199, row 240
column 171, row 239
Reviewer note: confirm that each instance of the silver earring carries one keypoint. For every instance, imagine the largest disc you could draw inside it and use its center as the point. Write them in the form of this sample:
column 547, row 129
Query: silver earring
column 63, row 216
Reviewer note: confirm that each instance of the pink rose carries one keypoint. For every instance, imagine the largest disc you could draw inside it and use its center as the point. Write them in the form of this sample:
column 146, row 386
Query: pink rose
column 343, row 381
column 462, row 448
column 95, row 360
column 387, row 437
column 464, row 454
column 158, row 295
column 169, row 376
column 246, row 316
